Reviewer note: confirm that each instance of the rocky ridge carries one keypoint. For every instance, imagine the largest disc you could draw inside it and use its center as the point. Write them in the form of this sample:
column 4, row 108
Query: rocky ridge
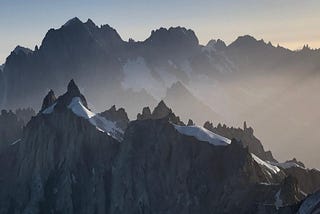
column 66, row 163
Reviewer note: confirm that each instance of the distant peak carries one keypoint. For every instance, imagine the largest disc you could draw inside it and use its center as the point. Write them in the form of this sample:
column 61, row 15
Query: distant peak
column 20, row 49
column 215, row 45
column 177, row 89
column 73, row 21
column 161, row 110
column 173, row 35
column 90, row 23
column 49, row 100
column 248, row 41
column 162, row 104
column 73, row 88
column 247, row 38
column 177, row 84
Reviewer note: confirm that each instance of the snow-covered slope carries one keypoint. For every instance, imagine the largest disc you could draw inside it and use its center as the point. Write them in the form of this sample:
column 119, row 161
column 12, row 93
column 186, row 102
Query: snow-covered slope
column 203, row 134
column 99, row 122
column 272, row 169
column 79, row 109
column 96, row 120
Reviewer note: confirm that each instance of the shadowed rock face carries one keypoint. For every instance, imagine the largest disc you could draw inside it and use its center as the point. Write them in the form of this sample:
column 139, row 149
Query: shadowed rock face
column 308, row 179
column 10, row 128
column 160, row 171
column 48, row 100
column 311, row 205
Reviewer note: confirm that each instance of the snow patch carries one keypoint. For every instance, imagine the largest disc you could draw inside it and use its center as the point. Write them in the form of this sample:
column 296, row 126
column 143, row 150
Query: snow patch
column 79, row 109
column 278, row 202
column 15, row 142
column 49, row 110
column 96, row 120
column 272, row 169
column 203, row 134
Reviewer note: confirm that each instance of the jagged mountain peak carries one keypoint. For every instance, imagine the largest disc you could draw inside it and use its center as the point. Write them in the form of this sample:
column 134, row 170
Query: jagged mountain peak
column 112, row 122
column 72, row 92
column 177, row 87
column 49, row 100
column 19, row 49
column 248, row 41
column 90, row 23
column 215, row 45
column 119, row 116
column 76, row 35
column 72, row 21
column 175, row 36
column 73, row 88
column 51, row 103
column 161, row 110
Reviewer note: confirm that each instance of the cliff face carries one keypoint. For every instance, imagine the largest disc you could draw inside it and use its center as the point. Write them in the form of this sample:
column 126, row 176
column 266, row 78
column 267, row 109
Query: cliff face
column 10, row 128
column 63, row 164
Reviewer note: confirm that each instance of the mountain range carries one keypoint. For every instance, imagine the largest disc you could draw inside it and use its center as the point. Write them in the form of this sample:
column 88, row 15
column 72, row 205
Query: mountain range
column 248, row 80
column 68, row 159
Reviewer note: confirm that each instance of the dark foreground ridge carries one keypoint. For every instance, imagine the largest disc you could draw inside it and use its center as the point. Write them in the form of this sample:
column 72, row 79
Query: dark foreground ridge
column 69, row 160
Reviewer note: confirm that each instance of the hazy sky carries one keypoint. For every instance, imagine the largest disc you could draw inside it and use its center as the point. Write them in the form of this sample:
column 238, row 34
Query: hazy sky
column 291, row 23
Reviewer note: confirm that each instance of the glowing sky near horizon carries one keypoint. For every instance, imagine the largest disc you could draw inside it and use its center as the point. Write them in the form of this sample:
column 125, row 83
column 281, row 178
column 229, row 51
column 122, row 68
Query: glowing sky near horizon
column 290, row 23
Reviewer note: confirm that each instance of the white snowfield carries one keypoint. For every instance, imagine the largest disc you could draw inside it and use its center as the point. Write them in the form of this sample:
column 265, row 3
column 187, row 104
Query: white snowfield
column 203, row 134
column 272, row 169
column 96, row 120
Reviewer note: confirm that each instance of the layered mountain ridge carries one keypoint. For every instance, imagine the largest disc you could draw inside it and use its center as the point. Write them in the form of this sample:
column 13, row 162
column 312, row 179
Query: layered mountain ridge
column 168, row 56
column 71, row 160
column 247, row 80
